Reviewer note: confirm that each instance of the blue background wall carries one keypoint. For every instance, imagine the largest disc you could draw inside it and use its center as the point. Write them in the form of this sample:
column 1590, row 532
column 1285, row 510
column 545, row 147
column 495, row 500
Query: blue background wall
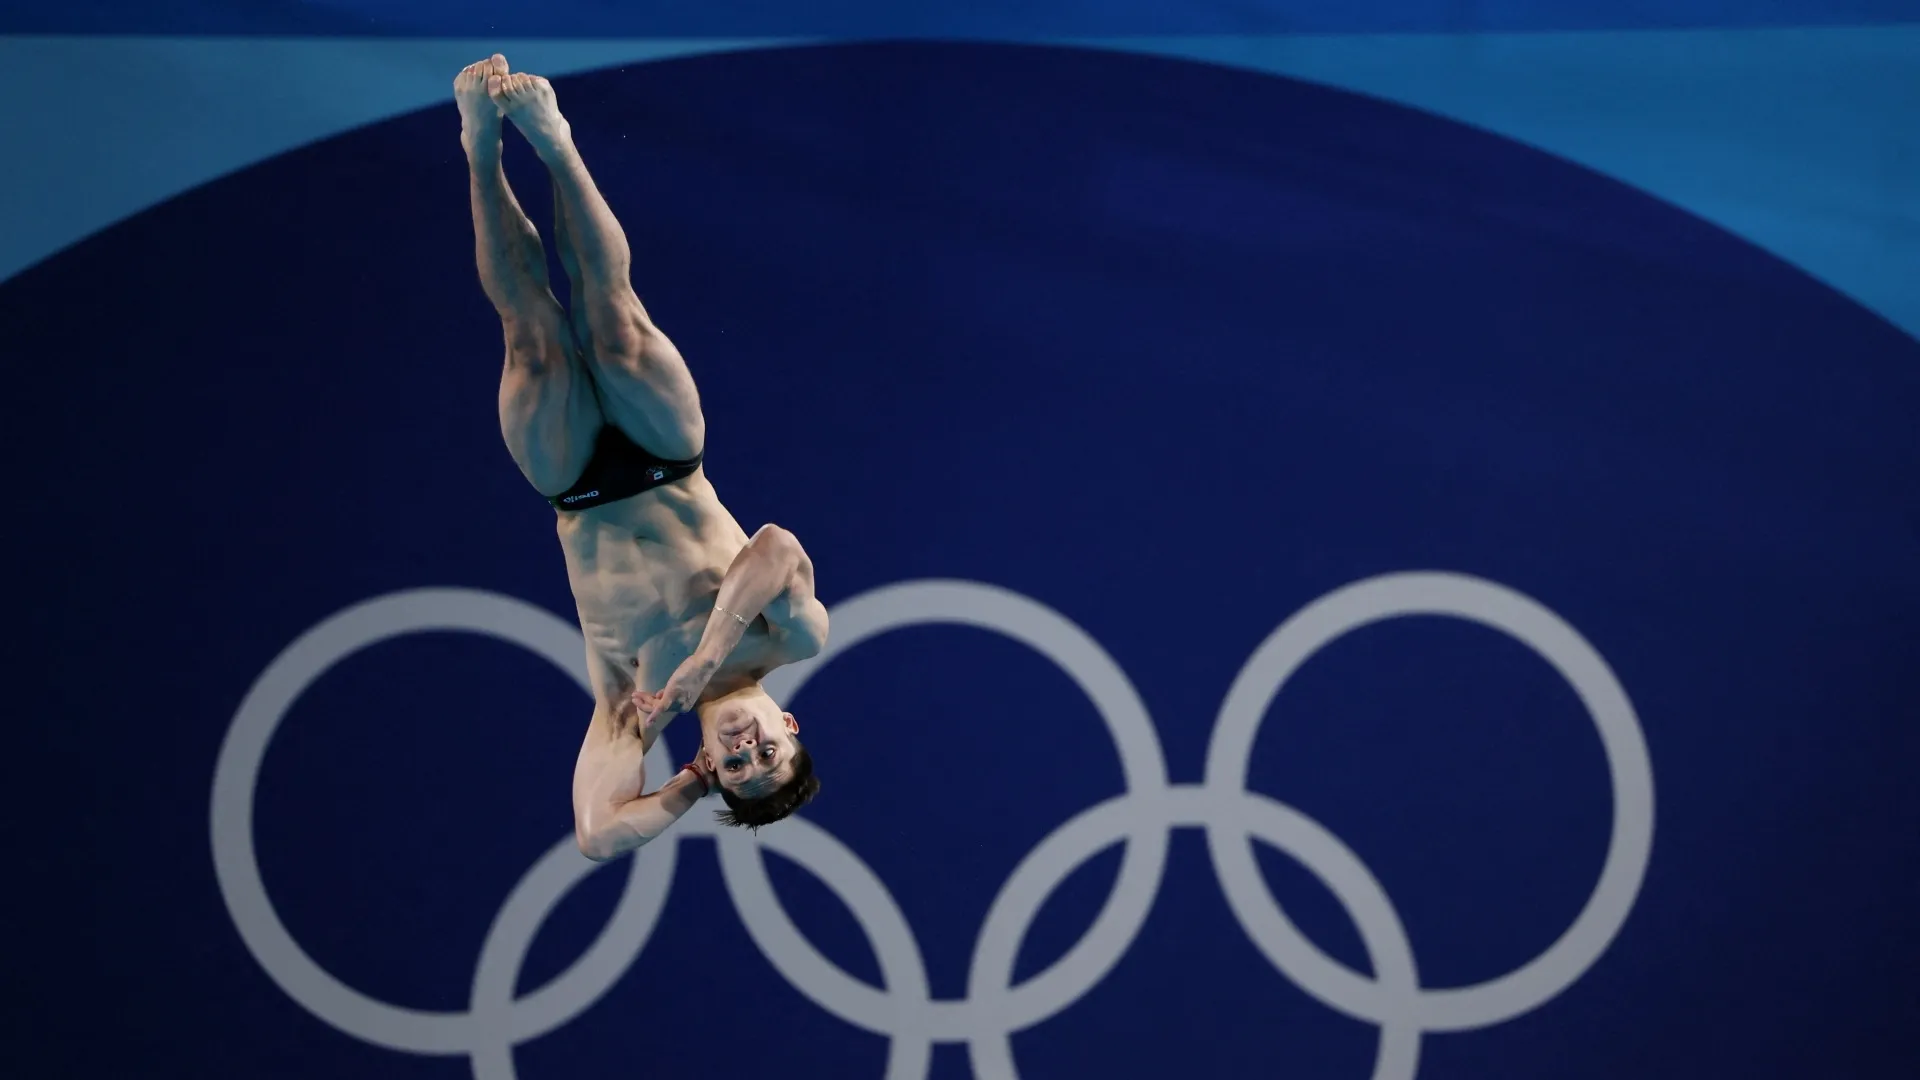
column 1154, row 324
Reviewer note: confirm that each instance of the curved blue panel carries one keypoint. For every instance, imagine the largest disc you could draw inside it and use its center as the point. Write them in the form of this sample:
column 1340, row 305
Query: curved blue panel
column 1040, row 329
column 1796, row 140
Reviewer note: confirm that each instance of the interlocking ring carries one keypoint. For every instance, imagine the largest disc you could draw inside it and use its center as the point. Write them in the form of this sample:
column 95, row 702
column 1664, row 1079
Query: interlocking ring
column 903, row 1007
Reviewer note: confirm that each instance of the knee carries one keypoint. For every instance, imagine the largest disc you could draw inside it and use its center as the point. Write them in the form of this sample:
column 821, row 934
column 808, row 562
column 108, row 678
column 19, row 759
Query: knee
column 537, row 350
column 622, row 334
column 624, row 348
column 534, row 363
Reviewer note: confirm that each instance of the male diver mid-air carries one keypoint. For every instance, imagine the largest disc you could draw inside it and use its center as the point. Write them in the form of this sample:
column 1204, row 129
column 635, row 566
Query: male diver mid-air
column 601, row 414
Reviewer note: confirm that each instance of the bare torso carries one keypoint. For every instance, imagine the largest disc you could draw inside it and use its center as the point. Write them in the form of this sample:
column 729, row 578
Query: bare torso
column 644, row 573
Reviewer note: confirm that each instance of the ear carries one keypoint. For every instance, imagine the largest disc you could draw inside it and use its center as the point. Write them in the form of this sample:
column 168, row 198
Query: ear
column 793, row 726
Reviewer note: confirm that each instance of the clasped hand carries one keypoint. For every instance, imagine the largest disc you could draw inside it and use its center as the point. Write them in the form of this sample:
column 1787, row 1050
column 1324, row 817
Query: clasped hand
column 682, row 691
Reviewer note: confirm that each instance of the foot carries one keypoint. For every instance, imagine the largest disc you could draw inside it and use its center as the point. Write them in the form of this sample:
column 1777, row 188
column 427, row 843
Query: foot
column 528, row 101
column 479, row 116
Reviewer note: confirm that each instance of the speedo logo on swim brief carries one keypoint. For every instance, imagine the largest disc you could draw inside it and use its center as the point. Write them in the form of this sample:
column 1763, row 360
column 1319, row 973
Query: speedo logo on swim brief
column 582, row 495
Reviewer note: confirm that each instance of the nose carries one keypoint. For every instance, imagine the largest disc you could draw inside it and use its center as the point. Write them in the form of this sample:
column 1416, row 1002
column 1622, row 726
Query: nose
column 744, row 739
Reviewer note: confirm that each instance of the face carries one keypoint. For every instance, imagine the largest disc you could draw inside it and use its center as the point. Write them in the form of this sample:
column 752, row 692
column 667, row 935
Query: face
column 750, row 742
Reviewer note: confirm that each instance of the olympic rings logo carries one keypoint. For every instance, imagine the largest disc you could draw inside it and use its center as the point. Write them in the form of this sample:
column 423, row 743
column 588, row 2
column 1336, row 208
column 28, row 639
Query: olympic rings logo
column 994, row 1008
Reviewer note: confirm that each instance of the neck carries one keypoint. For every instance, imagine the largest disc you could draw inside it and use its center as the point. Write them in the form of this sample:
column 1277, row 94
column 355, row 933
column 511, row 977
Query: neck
column 723, row 688
column 729, row 684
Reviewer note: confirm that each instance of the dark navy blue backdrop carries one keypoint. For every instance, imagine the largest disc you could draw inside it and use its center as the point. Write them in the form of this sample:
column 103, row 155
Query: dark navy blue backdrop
column 1170, row 349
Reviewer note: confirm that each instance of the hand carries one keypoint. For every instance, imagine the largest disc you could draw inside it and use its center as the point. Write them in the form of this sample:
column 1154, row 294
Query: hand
column 683, row 689
column 646, row 713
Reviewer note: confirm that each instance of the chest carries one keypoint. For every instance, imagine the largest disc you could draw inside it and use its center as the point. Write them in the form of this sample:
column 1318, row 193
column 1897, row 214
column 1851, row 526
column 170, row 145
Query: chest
column 617, row 669
column 643, row 603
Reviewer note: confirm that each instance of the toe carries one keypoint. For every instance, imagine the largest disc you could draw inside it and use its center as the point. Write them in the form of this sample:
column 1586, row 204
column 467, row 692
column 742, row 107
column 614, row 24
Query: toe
column 496, row 86
column 497, row 63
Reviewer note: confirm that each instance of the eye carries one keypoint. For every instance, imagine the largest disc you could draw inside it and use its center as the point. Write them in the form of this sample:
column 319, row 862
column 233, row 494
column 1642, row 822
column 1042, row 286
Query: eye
column 767, row 752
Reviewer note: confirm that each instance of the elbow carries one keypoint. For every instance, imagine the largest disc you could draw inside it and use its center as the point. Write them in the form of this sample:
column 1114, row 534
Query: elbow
column 590, row 845
column 818, row 623
column 593, row 839
column 812, row 638
column 800, row 646
column 601, row 847
column 777, row 540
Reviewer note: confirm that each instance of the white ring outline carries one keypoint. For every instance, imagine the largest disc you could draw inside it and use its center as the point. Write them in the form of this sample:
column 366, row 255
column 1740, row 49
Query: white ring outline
column 988, row 1016
column 237, row 869
column 1080, row 657
column 1629, row 845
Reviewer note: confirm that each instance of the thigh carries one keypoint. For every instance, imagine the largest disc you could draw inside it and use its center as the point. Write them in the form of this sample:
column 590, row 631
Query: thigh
column 549, row 414
column 645, row 387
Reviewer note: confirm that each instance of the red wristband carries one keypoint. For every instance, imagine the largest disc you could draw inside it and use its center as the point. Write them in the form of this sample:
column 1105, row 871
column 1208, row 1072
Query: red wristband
column 705, row 788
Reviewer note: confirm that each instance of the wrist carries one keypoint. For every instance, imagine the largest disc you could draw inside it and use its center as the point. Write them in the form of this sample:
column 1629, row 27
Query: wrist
column 716, row 643
column 699, row 777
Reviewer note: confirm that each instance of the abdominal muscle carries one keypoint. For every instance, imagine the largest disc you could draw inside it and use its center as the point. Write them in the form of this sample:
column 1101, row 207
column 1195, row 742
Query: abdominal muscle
column 645, row 572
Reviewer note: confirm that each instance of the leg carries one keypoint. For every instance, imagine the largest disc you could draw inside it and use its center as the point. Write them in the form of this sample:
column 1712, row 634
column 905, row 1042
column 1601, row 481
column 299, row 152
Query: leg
column 645, row 386
column 569, row 262
column 548, row 413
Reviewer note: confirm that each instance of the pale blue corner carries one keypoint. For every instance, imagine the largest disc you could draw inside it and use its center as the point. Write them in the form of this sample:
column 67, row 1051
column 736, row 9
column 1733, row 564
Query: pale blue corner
column 1802, row 141
column 140, row 120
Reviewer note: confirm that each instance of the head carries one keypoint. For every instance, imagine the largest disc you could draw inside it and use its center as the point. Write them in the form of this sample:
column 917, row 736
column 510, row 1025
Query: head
column 763, row 771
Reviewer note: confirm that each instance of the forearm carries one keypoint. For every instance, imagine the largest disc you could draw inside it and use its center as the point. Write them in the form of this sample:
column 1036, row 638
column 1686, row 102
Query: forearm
column 620, row 829
column 760, row 573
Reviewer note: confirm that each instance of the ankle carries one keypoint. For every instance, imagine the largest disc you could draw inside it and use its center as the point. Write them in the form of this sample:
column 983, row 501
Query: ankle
column 555, row 144
column 482, row 147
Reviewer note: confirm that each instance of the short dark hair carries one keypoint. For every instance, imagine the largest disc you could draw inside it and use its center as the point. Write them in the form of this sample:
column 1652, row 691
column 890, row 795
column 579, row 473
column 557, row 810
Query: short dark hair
column 797, row 792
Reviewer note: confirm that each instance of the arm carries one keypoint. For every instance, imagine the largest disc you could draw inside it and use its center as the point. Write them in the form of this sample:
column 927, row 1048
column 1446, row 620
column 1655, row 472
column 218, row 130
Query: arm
column 610, row 816
column 772, row 577
column 605, row 830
